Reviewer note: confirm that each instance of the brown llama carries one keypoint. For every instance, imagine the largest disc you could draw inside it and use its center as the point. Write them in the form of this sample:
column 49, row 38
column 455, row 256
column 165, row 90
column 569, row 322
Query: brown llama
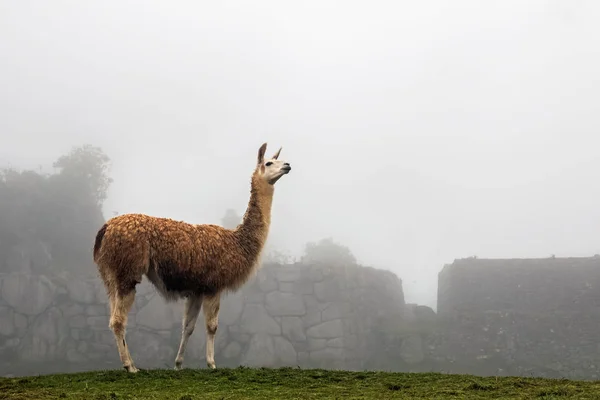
column 181, row 260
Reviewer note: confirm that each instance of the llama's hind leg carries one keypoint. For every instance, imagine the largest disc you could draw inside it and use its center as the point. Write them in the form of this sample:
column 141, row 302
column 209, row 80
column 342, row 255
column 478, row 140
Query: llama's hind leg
column 121, row 305
column 190, row 315
column 211, row 318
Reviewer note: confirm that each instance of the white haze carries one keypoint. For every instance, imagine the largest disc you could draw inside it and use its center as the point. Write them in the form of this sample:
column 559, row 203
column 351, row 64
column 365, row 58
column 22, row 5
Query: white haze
column 418, row 132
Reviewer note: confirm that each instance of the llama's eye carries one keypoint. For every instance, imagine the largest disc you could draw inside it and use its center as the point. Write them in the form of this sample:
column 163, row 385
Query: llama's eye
column 269, row 164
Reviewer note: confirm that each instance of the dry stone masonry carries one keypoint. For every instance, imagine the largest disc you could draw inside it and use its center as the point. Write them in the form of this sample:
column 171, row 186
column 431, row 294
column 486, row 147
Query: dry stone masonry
column 529, row 317
column 295, row 315
column 495, row 317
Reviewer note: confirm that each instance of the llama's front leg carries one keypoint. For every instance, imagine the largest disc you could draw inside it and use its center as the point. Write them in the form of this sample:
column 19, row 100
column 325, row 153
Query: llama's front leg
column 190, row 315
column 121, row 305
column 211, row 318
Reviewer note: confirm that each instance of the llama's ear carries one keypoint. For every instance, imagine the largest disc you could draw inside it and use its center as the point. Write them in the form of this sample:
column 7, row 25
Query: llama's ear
column 261, row 153
column 277, row 154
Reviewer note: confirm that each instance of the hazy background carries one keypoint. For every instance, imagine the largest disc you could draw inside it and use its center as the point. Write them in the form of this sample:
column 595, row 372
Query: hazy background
column 418, row 132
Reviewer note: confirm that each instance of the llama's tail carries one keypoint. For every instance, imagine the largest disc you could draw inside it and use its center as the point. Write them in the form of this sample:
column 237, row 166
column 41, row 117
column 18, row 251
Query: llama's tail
column 98, row 242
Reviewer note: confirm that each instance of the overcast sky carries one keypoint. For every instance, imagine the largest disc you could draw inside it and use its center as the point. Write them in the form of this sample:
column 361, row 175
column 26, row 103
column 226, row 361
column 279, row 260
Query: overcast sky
column 418, row 132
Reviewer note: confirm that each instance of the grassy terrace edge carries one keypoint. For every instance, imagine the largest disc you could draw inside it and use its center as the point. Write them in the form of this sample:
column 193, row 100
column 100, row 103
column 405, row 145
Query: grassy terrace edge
column 288, row 383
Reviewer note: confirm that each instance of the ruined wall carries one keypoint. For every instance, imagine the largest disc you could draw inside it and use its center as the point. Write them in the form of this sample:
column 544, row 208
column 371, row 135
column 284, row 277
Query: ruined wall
column 535, row 317
column 295, row 315
column 495, row 317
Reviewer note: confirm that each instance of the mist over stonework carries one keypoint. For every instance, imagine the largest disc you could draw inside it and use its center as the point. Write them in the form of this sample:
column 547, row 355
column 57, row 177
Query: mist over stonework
column 528, row 317
column 420, row 133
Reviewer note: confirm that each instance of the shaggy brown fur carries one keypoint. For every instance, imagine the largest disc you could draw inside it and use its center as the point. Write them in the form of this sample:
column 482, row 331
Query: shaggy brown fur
column 197, row 262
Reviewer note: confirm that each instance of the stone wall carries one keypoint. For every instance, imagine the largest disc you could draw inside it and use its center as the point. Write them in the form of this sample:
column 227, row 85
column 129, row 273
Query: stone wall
column 296, row 315
column 495, row 317
column 535, row 317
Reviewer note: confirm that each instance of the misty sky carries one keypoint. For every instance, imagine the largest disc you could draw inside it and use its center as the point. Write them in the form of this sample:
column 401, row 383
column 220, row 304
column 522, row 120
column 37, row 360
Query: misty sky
column 418, row 132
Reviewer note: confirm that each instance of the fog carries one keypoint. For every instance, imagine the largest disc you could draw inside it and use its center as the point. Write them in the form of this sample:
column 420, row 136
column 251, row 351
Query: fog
column 418, row 132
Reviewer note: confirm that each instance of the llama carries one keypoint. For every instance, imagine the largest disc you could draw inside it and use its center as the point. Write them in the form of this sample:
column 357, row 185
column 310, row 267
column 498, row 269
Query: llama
column 181, row 260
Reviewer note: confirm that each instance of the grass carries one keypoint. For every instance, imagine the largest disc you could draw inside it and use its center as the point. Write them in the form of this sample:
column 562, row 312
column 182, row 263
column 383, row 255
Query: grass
column 287, row 383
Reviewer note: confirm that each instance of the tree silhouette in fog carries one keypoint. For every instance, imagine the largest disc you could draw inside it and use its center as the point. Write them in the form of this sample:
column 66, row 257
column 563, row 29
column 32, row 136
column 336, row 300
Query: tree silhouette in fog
column 85, row 169
column 326, row 251
column 60, row 211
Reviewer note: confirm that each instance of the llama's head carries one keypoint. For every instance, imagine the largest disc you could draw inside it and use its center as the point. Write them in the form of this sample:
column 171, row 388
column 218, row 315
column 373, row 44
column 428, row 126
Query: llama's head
column 272, row 169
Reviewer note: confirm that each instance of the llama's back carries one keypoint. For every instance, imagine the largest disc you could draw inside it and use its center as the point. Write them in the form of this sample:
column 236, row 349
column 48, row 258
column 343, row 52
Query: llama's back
column 129, row 238
column 176, row 256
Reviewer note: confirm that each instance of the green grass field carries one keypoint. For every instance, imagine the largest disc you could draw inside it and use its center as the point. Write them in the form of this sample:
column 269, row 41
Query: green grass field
column 287, row 383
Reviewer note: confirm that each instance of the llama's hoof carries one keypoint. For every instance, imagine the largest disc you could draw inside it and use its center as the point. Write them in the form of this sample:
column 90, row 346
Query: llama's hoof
column 178, row 366
column 211, row 365
column 131, row 368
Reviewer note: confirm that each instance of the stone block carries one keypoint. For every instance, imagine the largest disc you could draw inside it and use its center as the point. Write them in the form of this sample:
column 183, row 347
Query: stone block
column 82, row 291
column 221, row 340
column 97, row 310
column 261, row 351
column 73, row 356
column 71, row 309
column 336, row 343
column 254, row 298
column 20, row 324
column 232, row 350
column 289, row 274
column 328, row 290
column 316, row 344
column 105, row 337
column 311, row 318
column 82, row 347
column 255, row 319
column 300, row 287
column 266, row 281
column 149, row 348
column 239, row 337
column 46, row 338
column 327, row 330
column 98, row 351
column 100, row 323
column 159, row 315
column 337, row 310
column 411, row 350
column 330, row 358
column 27, row 294
column 196, row 349
column 80, row 321
column 285, row 304
column 232, row 306
column 350, row 341
column 315, row 274
column 303, row 359
column 7, row 325
column 293, row 329
column 301, row 346
column 87, row 334
column 285, row 352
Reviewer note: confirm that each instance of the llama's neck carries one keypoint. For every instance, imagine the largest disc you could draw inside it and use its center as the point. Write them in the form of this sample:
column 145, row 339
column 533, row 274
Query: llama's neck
column 252, row 232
